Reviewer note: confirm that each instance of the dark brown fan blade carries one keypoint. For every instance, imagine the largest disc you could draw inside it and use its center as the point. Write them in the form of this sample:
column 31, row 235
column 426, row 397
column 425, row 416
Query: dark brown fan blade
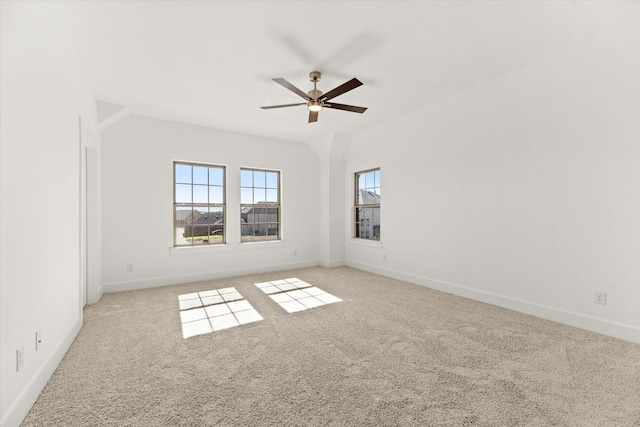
column 313, row 116
column 291, row 87
column 346, row 87
column 345, row 107
column 283, row 105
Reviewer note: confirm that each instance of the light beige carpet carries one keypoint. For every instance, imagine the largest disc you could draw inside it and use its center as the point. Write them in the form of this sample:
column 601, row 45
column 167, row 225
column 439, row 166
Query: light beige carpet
column 389, row 354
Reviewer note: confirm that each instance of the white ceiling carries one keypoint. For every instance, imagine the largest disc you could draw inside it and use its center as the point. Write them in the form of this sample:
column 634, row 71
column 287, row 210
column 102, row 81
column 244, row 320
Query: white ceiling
column 211, row 63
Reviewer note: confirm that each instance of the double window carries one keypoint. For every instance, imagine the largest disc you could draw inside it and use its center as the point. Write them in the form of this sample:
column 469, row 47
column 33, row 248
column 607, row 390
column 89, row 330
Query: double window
column 259, row 205
column 367, row 205
column 198, row 204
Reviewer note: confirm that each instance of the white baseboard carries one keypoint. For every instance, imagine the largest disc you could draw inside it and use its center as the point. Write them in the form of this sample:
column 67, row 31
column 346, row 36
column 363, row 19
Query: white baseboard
column 589, row 323
column 197, row 277
column 331, row 264
column 28, row 397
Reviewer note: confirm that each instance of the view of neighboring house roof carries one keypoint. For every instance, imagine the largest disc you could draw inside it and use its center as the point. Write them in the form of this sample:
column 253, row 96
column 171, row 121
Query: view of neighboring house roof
column 368, row 197
column 183, row 215
column 204, row 219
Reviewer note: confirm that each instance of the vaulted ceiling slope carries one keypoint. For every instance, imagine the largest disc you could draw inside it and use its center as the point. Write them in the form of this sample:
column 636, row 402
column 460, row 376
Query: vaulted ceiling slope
column 211, row 63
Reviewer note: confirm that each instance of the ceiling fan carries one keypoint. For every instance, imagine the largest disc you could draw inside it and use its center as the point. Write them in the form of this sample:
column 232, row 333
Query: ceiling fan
column 316, row 100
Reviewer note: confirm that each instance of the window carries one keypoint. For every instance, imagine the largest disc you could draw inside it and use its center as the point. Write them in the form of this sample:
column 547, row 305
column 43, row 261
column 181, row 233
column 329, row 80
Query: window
column 259, row 205
column 198, row 204
column 367, row 205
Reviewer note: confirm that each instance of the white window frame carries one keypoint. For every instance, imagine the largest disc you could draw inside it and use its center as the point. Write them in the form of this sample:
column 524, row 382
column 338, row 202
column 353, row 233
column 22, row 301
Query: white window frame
column 366, row 229
column 204, row 242
column 269, row 222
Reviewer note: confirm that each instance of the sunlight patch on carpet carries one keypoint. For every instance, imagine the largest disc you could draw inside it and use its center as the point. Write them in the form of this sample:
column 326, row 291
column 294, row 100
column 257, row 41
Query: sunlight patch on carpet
column 214, row 310
column 294, row 294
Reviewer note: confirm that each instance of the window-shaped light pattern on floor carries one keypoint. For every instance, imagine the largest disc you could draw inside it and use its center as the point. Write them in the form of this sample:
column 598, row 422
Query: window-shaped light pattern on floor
column 214, row 310
column 296, row 295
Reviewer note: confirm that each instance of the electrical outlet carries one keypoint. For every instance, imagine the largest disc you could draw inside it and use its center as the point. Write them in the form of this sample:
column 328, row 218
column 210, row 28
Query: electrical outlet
column 600, row 297
column 129, row 268
column 38, row 339
column 19, row 358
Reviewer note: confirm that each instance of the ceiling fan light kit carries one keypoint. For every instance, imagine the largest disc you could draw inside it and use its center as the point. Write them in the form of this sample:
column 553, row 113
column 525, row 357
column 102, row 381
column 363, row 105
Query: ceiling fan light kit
column 315, row 106
column 316, row 100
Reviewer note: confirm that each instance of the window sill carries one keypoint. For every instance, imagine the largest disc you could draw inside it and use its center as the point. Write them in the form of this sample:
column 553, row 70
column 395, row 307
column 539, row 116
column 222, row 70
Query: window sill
column 186, row 250
column 261, row 245
column 365, row 242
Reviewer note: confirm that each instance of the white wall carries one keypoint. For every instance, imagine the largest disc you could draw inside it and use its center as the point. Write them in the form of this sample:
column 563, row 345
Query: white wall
column 524, row 192
column 42, row 98
column 331, row 152
column 138, row 155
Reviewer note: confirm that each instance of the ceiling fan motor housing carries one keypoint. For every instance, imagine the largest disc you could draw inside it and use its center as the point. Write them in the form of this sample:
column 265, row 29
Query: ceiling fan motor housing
column 314, row 76
column 314, row 93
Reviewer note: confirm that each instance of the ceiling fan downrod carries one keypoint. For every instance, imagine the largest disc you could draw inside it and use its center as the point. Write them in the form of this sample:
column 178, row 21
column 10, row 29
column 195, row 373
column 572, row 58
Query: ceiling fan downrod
column 315, row 77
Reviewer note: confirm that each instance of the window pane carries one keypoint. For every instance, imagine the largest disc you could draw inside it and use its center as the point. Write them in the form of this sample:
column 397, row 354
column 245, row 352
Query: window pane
column 216, row 225
column 272, row 179
column 364, row 224
column 376, row 178
column 200, row 194
column 200, row 240
column 216, row 176
column 182, row 217
column 216, row 216
column 261, row 215
column 215, row 194
column 246, row 178
column 272, row 215
column 183, row 174
column 272, row 196
column 248, row 216
column 200, row 175
column 259, row 179
column 189, row 232
column 259, row 195
column 369, row 179
column 369, row 197
column 260, row 230
column 246, row 196
column 361, row 183
column 183, row 193
column 247, row 230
